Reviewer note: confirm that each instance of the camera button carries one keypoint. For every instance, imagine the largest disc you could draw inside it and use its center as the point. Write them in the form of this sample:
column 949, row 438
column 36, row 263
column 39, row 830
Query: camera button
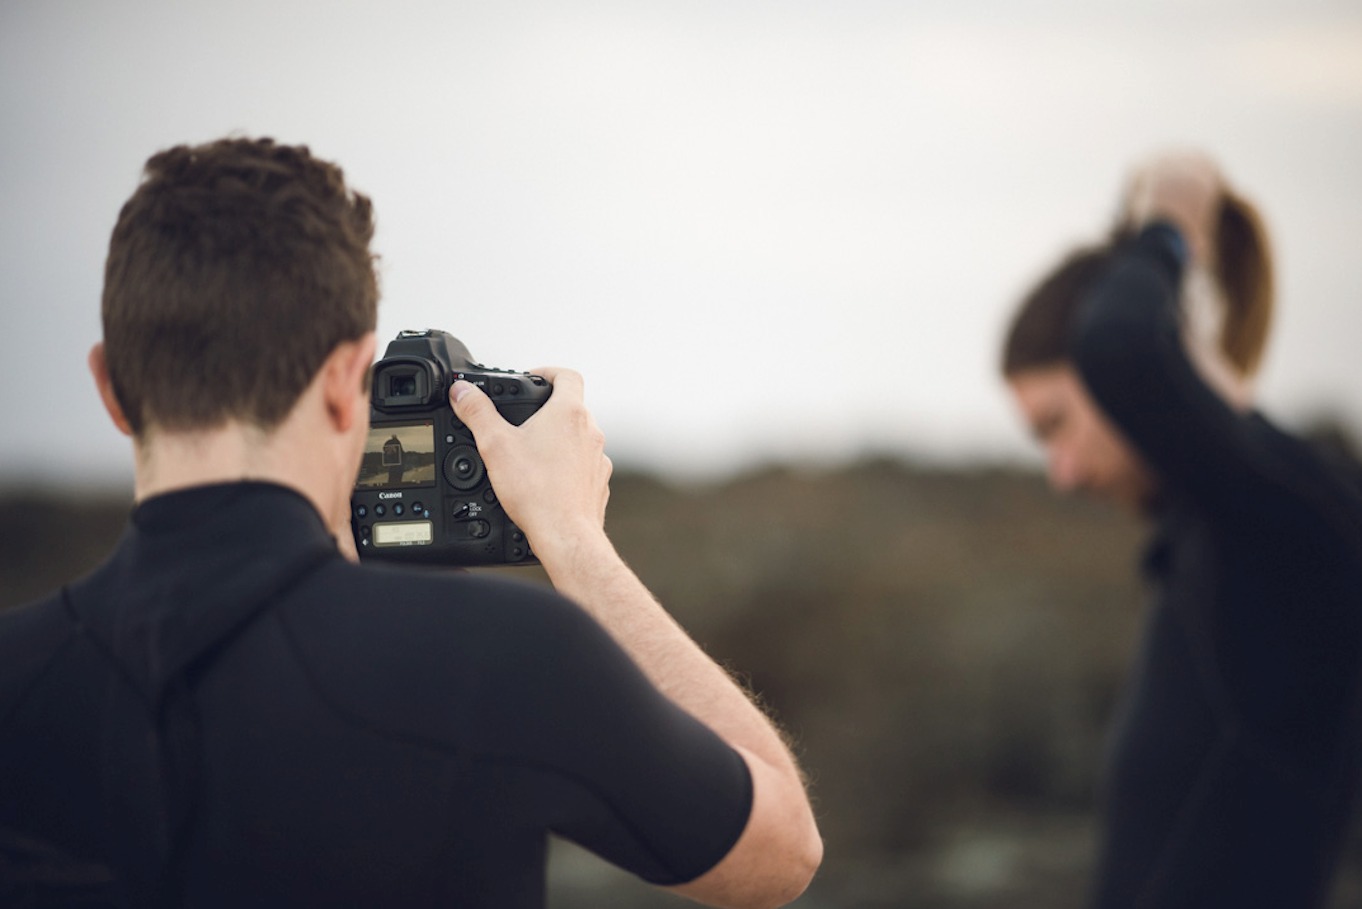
column 380, row 510
column 489, row 496
column 398, row 509
column 362, row 512
column 479, row 529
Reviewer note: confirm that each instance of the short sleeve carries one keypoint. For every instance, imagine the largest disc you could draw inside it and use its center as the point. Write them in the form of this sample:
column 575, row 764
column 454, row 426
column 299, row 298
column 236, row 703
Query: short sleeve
column 625, row 772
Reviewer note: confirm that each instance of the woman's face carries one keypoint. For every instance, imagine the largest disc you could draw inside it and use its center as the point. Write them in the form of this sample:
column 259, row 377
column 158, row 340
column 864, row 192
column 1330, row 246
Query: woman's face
column 1084, row 451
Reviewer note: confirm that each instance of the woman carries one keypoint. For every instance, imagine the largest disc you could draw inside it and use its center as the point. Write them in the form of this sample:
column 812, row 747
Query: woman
column 1234, row 757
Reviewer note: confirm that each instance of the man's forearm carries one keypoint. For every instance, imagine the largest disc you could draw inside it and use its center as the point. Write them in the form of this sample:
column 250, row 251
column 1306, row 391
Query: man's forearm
column 589, row 571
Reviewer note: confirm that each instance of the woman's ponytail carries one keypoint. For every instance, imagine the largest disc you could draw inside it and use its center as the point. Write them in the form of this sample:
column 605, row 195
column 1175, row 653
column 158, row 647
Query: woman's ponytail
column 1243, row 269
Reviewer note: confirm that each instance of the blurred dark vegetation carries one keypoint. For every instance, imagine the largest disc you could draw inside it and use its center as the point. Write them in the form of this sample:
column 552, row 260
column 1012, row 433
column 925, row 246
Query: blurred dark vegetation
column 943, row 645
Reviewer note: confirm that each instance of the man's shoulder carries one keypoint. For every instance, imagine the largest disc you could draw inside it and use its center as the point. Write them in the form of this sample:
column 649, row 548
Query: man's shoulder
column 367, row 611
column 31, row 636
column 29, row 624
column 441, row 655
column 382, row 591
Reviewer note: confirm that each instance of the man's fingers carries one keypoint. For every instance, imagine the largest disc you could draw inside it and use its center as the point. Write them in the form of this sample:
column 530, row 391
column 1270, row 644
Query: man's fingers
column 474, row 408
column 567, row 382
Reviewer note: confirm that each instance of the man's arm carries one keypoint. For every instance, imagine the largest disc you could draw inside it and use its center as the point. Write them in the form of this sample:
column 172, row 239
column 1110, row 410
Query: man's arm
column 552, row 476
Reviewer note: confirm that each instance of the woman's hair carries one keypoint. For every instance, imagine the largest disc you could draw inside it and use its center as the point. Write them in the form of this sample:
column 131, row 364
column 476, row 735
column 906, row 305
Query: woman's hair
column 1243, row 268
column 1040, row 330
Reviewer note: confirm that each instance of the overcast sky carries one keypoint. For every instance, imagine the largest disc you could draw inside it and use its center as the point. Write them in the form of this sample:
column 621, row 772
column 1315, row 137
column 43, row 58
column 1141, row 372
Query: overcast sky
column 763, row 230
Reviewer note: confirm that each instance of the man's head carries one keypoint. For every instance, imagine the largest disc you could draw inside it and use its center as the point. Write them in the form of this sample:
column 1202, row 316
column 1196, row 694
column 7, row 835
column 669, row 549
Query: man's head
column 234, row 270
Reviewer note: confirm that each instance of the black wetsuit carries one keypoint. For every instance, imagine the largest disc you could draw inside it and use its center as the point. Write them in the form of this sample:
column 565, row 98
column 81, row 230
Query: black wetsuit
column 228, row 713
column 1235, row 755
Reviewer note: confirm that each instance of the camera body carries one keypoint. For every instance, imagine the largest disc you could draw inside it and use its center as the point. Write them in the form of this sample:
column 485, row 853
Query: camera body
column 422, row 494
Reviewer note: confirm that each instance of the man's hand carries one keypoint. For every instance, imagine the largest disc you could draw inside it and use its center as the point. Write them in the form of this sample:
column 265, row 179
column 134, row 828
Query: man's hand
column 1184, row 188
column 345, row 540
column 551, row 474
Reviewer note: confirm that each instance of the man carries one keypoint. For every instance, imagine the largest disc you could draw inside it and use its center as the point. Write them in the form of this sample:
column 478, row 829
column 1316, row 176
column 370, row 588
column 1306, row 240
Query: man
column 1234, row 760
column 229, row 712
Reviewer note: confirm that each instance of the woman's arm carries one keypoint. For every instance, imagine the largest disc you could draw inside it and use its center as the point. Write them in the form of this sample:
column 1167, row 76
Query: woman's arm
column 1131, row 349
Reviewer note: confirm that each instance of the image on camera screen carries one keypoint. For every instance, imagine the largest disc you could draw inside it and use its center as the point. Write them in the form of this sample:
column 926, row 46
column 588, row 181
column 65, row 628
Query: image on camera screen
column 397, row 456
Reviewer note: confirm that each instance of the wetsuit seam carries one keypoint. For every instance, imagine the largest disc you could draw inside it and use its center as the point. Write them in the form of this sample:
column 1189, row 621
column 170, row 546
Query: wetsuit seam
column 37, row 677
column 79, row 632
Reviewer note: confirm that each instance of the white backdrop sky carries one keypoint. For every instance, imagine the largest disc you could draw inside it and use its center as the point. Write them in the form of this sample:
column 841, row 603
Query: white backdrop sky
column 783, row 230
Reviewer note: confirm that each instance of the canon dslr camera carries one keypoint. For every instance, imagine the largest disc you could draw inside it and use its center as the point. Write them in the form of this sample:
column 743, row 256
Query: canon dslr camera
column 422, row 493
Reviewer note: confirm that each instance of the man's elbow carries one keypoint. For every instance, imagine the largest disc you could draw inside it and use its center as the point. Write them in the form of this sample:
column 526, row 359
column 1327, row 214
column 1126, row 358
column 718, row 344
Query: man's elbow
column 765, row 875
column 793, row 846
column 801, row 865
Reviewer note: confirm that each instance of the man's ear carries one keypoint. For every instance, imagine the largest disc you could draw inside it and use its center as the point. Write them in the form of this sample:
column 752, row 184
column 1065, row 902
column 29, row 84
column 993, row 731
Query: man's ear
column 99, row 368
column 345, row 387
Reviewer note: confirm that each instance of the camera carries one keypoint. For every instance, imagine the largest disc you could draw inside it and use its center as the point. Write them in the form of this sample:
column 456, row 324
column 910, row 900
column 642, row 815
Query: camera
column 422, row 494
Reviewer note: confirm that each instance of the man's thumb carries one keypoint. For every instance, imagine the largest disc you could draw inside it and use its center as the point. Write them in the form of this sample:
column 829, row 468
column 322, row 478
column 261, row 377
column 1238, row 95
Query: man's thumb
column 470, row 404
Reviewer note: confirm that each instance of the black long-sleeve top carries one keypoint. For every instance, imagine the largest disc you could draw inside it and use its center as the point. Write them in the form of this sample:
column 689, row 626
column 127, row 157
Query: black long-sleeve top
column 1235, row 755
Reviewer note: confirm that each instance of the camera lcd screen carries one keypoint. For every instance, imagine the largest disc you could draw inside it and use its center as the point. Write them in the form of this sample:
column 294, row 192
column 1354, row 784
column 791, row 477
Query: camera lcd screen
column 397, row 456
column 413, row 533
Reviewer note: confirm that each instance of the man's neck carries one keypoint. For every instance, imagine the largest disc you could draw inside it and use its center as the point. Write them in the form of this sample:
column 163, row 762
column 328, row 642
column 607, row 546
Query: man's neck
column 234, row 452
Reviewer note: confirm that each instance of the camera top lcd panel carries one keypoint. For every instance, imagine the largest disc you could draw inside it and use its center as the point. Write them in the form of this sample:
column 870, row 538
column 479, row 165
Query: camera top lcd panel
column 422, row 494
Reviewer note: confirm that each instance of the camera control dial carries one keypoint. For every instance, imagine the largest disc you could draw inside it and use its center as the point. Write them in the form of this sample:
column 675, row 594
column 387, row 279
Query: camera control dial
column 463, row 468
